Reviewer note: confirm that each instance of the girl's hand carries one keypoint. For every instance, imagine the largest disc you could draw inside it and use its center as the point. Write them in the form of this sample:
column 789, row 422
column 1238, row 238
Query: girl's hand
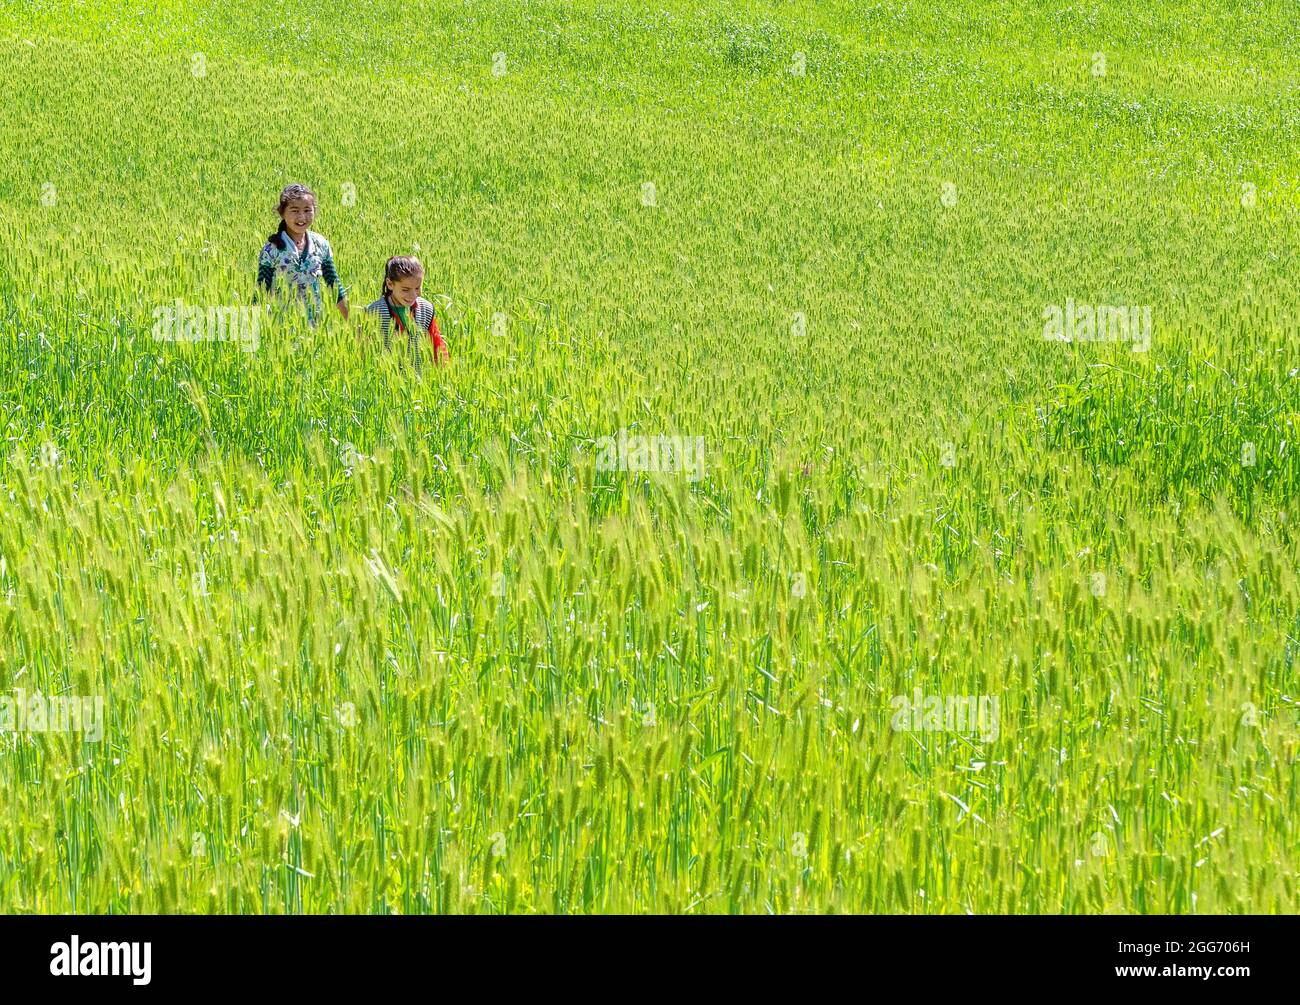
column 343, row 309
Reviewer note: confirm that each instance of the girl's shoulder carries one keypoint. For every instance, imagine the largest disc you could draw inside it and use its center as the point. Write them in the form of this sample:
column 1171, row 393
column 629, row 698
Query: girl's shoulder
column 380, row 306
column 320, row 241
column 424, row 305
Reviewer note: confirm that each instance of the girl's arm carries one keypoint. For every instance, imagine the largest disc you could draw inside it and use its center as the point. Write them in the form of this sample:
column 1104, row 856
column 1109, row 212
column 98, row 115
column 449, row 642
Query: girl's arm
column 265, row 272
column 331, row 277
column 440, row 350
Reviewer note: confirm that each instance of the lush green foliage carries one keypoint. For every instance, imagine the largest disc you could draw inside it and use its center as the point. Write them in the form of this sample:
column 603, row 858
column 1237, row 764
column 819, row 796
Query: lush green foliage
column 373, row 641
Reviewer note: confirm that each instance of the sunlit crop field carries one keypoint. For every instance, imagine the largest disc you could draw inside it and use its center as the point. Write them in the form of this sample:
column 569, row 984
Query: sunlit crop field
column 757, row 433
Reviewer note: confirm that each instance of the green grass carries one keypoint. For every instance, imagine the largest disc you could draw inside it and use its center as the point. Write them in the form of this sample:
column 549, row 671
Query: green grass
column 379, row 642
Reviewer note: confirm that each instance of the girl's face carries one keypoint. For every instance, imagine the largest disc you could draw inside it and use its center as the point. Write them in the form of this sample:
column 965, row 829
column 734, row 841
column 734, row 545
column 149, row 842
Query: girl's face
column 404, row 291
column 298, row 215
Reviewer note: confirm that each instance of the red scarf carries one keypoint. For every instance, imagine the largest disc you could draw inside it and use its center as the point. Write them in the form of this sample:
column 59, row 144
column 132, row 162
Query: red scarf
column 440, row 349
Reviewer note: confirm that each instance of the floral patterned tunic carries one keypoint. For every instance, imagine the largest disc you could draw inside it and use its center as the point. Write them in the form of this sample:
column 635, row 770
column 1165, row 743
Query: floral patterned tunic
column 302, row 271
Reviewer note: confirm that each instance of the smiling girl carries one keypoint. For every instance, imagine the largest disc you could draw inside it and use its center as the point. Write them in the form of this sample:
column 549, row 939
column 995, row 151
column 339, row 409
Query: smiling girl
column 299, row 255
column 402, row 307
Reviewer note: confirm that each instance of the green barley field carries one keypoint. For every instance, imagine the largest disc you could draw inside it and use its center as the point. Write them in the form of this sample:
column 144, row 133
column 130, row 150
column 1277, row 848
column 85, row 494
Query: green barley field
column 756, row 430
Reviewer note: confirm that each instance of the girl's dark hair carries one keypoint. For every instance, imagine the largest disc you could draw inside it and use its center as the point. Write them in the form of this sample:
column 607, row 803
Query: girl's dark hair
column 287, row 195
column 399, row 267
